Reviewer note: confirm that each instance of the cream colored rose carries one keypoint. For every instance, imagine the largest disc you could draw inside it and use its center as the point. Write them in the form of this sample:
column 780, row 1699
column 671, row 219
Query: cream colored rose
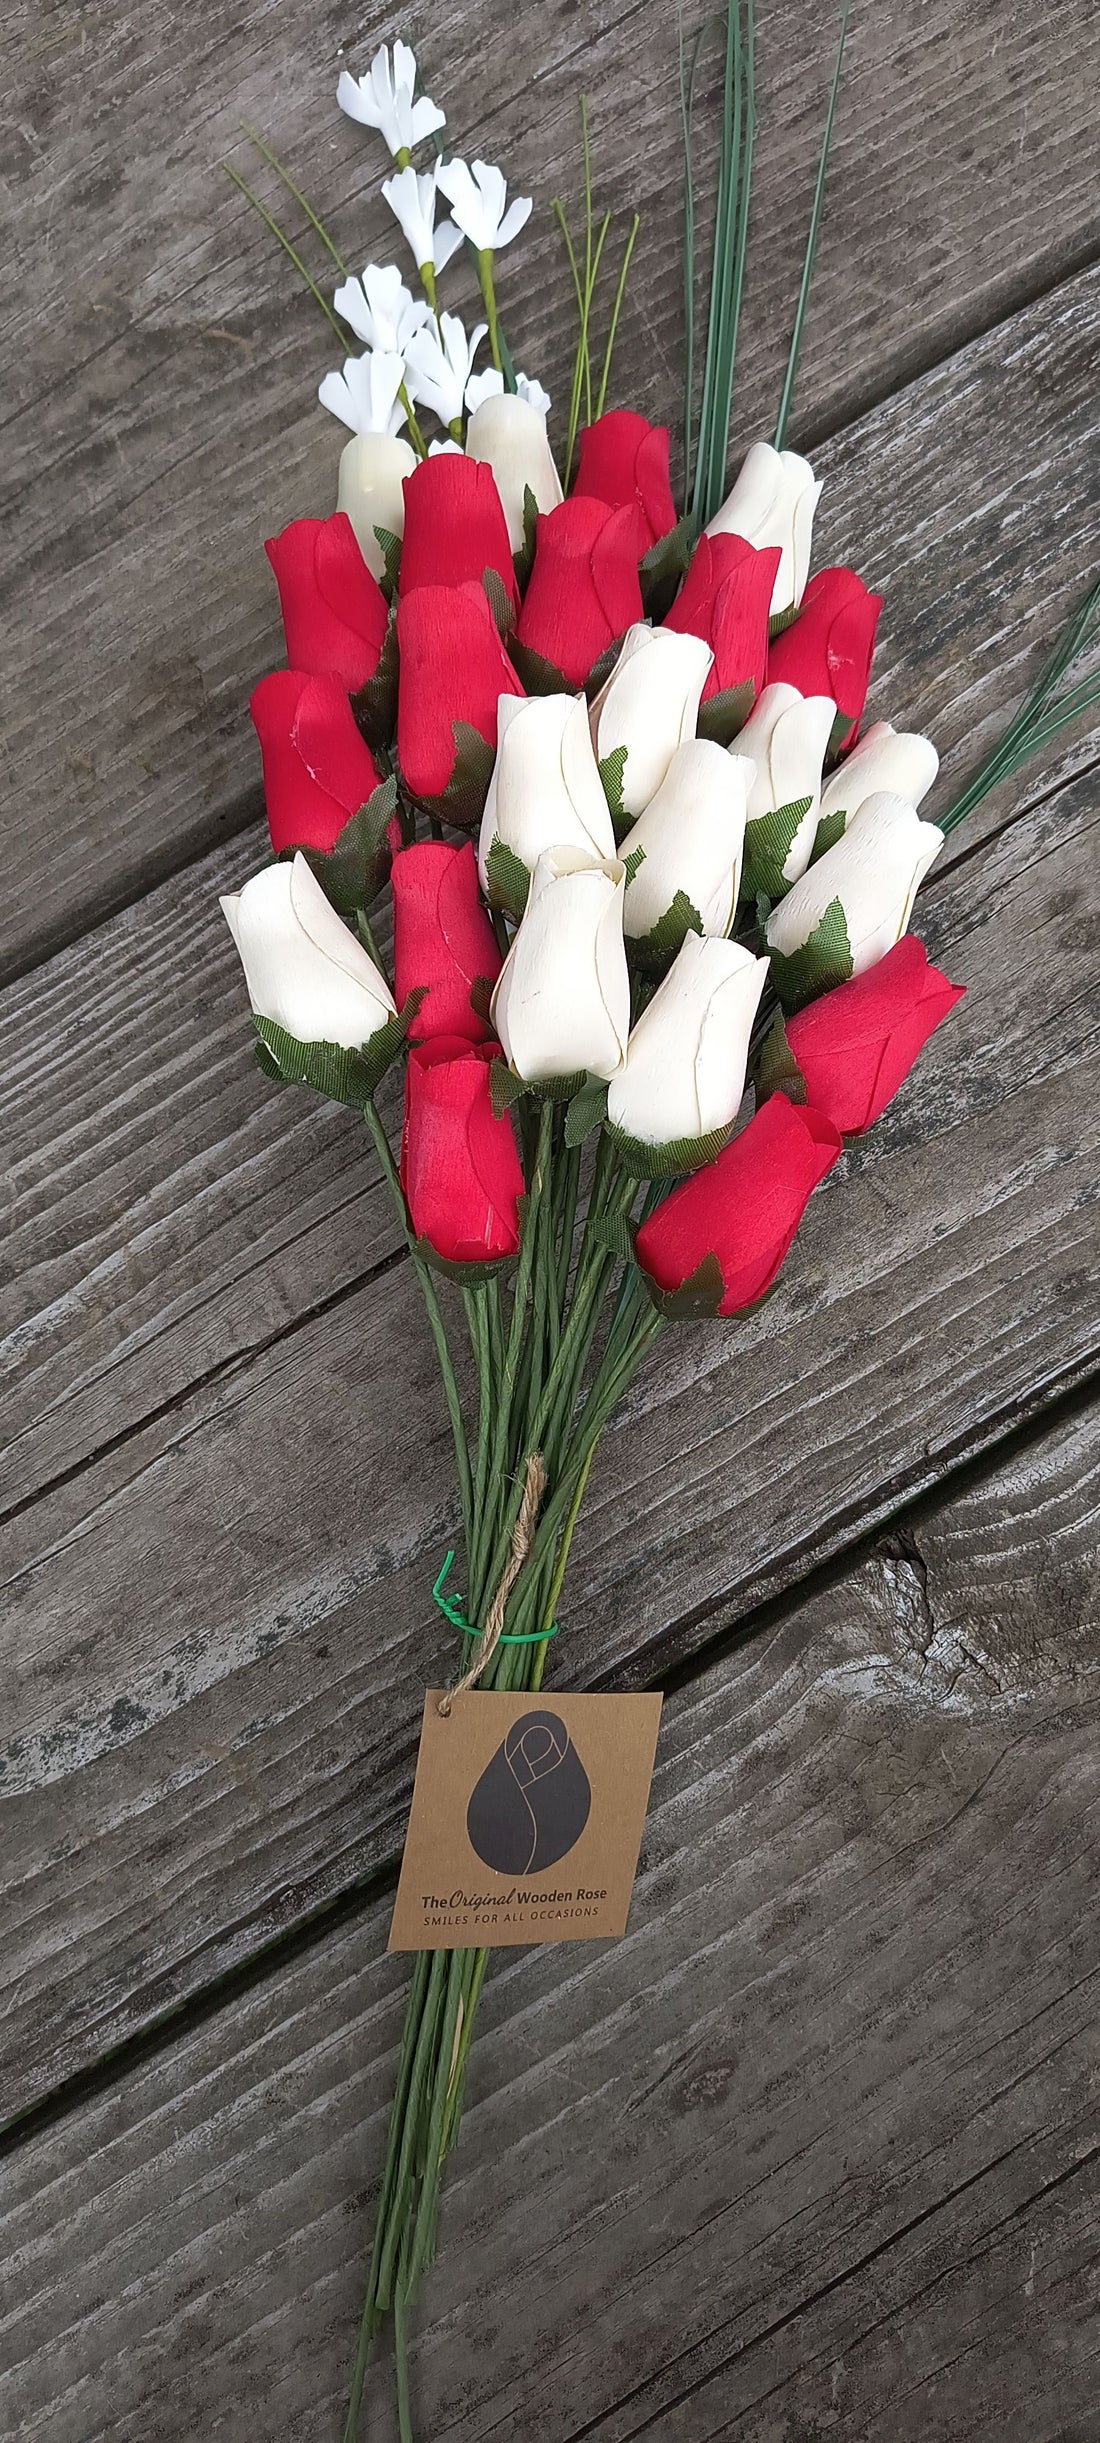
column 562, row 999
column 692, row 833
column 773, row 502
column 545, row 791
column 373, row 467
column 649, row 705
column 510, row 436
column 304, row 970
column 899, row 760
column 875, row 871
column 684, row 1073
column 785, row 738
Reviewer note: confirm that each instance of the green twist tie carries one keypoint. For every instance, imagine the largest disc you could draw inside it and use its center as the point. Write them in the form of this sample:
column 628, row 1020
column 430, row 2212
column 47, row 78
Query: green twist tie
column 451, row 1608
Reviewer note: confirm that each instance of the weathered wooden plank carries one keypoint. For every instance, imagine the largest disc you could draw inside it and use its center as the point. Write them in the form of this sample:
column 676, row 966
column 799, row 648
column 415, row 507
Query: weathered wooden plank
column 814, row 2150
column 161, row 371
column 218, row 1627
column 168, row 1217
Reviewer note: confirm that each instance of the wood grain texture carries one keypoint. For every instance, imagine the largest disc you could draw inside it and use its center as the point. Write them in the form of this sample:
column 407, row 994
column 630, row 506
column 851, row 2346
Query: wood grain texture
column 160, row 370
column 168, row 1216
column 813, row 2152
column 217, row 1628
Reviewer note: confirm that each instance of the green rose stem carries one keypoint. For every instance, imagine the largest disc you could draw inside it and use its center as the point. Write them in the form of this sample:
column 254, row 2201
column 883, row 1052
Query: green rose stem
column 489, row 301
column 435, row 1319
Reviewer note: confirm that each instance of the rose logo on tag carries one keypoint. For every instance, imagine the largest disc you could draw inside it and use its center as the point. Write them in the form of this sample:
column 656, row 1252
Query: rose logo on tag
column 532, row 1802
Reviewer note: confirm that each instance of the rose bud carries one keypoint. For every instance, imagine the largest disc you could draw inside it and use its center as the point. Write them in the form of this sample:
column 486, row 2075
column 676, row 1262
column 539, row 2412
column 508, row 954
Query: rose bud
column 624, row 461
column 510, row 436
column 455, row 527
column 334, row 615
column 827, row 651
column 899, row 760
column 369, row 490
column 742, row 1210
column 684, row 1072
column 442, row 938
column 304, row 970
column 773, row 501
column 785, row 738
column 317, row 771
column 853, row 1047
column 693, row 833
column 460, row 1171
column 562, row 1005
column 649, row 705
column 452, row 667
column 545, row 791
column 583, row 592
column 725, row 598
column 874, row 873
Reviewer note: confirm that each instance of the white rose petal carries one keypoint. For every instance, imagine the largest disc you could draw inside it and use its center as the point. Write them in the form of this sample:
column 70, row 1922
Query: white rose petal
column 785, row 739
column 649, row 705
column 562, row 1000
column 875, row 872
column 899, row 760
column 304, row 970
column 773, row 502
column 684, row 1073
column 545, row 791
column 510, row 436
column 373, row 467
column 693, row 835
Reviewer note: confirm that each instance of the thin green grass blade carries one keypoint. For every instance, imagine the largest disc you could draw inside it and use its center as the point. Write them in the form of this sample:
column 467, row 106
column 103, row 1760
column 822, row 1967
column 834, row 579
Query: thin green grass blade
column 811, row 240
column 616, row 308
column 268, row 218
column 1045, row 711
column 294, row 189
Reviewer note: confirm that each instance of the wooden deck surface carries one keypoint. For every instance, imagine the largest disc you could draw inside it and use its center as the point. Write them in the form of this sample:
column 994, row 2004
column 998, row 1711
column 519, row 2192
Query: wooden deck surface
column 813, row 2155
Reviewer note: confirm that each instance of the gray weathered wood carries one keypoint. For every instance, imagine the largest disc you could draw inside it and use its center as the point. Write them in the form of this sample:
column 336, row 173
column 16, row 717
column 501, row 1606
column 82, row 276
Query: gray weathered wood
column 160, row 367
column 169, row 1215
column 218, row 1627
column 813, row 2151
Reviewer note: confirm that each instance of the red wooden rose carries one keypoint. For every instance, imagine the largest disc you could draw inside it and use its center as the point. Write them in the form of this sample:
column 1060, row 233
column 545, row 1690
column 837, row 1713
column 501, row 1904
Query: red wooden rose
column 334, row 615
column 460, row 1170
column 442, row 938
column 452, row 667
column 317, row 771
column 827, row 650
column 855, row 1044
column 455, row 527
column 744, row 1209
column 623, row 460
column 726, row 599
column 583, row 591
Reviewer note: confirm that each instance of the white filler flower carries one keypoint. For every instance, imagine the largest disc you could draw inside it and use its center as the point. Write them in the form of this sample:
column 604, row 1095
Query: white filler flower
column 477, row 200
column 440, row 362
column 411, row 197
column 380, row 309
column 385, row 98
column 304, row 970
column 364, row 395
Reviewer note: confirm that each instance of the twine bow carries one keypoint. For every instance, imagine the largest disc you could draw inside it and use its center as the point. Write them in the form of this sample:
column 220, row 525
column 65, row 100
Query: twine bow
column 523, row 1535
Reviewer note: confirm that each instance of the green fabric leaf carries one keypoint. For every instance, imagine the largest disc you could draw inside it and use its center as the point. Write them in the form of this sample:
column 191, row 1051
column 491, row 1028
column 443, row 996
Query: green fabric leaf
column 613, row 1231
column 768, row 841
column 462, row 802
column 611, row 770
column 538, row 676
column 505, row 1088
column 587, row 1110
column 697, row 1300
column 375, row 703
column 500, row 601
column 602, row 667
column 777, row 1071
column 523, row 560
column 780, row 620
column 839, row 735
column 665, row 564
column 390, row 547
column 467, row 1274
column 631, row 864
column 723, row 715
column 352, row 872
column 655, row 951
column 672, row 1161
column 481, row 994
column 345, row 1077
column 824, row 960
column 509, row 880
column 831, row 828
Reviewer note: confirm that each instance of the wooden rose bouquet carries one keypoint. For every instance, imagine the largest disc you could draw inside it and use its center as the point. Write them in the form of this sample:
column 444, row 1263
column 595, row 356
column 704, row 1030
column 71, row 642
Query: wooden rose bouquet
column 599, row 754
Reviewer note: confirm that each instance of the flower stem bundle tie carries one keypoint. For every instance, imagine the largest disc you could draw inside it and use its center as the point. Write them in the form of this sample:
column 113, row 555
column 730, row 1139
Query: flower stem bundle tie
column 523, row 1534
column 451, row 1608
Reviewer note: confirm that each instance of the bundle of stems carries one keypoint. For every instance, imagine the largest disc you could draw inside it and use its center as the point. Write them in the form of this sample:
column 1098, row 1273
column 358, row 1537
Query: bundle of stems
column 549, row 1364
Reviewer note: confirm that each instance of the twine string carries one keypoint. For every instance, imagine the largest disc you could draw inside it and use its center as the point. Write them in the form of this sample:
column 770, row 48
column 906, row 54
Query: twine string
column 523, row 1536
